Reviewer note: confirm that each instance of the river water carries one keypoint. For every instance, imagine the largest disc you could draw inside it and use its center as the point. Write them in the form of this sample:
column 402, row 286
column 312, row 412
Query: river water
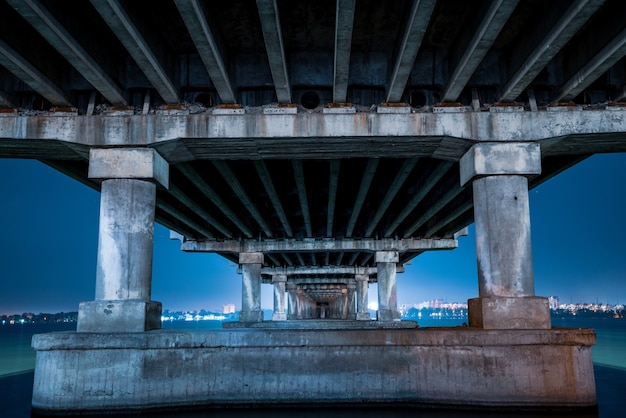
column 17, row 361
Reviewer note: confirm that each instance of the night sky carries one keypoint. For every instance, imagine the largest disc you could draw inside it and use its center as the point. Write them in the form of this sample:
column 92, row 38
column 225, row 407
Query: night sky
column 49, row 227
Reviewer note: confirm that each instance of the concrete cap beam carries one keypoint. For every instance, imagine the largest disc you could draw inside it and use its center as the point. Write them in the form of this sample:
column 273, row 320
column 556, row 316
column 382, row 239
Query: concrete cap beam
column 250, row 258
column 489, row 159
column 387, row 257
column 128, row 163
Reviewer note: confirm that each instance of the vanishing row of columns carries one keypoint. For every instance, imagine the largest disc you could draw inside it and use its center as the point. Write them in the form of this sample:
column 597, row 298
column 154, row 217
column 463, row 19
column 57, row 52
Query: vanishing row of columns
column 497, row 171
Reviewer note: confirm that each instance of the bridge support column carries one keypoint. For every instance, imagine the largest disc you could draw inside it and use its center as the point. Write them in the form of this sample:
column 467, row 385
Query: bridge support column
column 362, row 288
column 125, row 241
column 351, row 311
column 251, row 264
column 292, row 300
column 387, row 294
column 502, row 217
column 280, row 300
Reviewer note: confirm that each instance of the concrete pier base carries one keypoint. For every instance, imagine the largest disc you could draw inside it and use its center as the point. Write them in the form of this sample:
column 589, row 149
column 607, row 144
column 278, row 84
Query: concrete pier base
column 464, row 366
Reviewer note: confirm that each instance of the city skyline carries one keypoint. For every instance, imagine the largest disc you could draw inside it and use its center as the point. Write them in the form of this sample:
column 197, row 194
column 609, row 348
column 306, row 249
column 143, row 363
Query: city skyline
column 50, row 226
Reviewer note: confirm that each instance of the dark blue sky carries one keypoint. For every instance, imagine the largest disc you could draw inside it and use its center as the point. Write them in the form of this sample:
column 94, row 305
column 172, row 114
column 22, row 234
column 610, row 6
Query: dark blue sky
column 49, row 226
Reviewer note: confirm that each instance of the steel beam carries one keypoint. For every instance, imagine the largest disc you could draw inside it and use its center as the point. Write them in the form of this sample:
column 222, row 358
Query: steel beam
column 138, row 47
column 194, row 16
column 272, row 34
column 417, row 22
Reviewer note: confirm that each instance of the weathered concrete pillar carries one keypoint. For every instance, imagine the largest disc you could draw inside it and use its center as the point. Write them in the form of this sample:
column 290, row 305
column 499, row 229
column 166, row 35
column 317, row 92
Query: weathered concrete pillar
column 387, row 294
column 302, row 306
column 125, row 241
column 251, row 264
column 280, row 300
column 351, row 310
column 362, row 290
column 292, row 300
column 498, row 172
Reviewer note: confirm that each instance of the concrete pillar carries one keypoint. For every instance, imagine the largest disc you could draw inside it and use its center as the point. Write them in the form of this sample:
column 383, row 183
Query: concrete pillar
column 387, row 294
column 362, row 290
column 280, row 301
column 125, row 241
column 351, row 309
column 251, row 264
column 292, row 300
column 301, row 305
column 498, row 172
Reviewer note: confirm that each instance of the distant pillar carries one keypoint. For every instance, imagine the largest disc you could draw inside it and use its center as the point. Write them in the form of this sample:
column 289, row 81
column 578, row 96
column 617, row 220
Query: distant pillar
column 251, row 264
column 125, row 241
column 386, row 262
column 503, row 246
column 351, row 309
column 280, row 301
column 362, row 290
column 292, row 300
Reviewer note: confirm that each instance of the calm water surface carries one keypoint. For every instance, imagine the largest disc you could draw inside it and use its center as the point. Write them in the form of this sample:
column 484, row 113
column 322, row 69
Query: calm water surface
column 17, row 361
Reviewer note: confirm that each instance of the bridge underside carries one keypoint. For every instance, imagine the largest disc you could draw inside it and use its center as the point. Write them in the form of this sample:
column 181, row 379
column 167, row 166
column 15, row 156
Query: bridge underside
column 322, row 146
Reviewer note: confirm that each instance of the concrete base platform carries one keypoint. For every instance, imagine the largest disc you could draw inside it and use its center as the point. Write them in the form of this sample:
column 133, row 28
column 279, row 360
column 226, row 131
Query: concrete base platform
column 468, row 367
column 322, row 324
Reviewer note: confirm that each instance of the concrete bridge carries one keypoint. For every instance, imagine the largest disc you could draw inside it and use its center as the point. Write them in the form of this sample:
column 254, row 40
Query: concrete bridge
column 321, row 146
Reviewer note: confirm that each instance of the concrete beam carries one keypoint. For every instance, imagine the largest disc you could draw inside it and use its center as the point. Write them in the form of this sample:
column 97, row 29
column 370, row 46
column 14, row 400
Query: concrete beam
column 500, row 159
column 137, row 45
column 484, row 36
column 208, row 191
column 416, row 25
column 25, row 71
column 366, row 181
column 198, row 210
column 333, row 183
column 319, row 245
column 570, row 22
column 598, row 65
column 323, row 271
column 266, row 179
column 398, row 181
column 298, row 174
column 238, row 189
column 344, row 22
column 194, row 17
column 272, row 33
column 53, row 31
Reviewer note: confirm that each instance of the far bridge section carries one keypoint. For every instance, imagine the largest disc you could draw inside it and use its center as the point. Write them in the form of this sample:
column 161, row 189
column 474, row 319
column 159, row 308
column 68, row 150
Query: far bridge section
column 322, row 146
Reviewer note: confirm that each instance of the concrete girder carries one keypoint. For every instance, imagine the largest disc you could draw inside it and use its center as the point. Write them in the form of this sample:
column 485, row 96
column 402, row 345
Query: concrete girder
column 323, row 271
column 344, row 22
column 353, row 258
column 25, row 71
column 429, row 183
column 273, row 259
column 298, row 173
column 287, row 259
column 266, row 179
column 236, row 186
column 416, row 25
column 399, row 180
column 441, row 202
column 199, row 210
column 300, row 259
column 53, row 31
column 208, row 191
column 333, row 183
column 6, row 100
column 366, row 181
column 144, row 54
column 485, row 35
column 195, row 20
column 318, row 245
column 176, row 214
column 272, row 34
column 598, row 65
column 570, row 22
